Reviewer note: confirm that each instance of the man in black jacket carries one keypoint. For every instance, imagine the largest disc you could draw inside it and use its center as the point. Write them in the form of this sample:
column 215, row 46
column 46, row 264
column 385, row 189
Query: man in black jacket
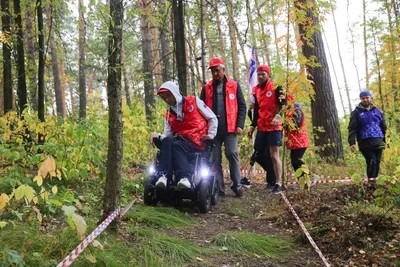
column 225, row 98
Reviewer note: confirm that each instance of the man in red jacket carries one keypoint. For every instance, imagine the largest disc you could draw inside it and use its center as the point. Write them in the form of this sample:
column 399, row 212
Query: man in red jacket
column 225, row 98
column 188, row 122
column 269, row 100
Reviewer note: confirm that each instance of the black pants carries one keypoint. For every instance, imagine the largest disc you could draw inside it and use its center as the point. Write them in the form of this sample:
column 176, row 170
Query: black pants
column 263, row 157
column 174, row 153
column 373, row 159
column 295, row 157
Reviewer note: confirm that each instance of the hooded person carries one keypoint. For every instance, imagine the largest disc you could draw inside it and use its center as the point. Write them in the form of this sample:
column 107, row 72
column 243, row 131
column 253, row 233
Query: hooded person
column 367, row 127
column 296, row 132
column 188, row 123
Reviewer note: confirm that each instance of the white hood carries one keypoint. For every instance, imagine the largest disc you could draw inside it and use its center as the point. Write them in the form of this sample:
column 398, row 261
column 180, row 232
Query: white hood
column 173, row 87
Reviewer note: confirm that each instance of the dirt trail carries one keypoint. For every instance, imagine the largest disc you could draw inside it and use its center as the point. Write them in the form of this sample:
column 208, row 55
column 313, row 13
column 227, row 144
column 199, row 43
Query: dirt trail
column 258, row 211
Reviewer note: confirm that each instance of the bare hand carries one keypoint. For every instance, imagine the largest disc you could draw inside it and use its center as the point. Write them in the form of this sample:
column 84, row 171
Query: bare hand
column 353, row 148
column 275, row 122
column 239, row 130
column 153, row 135
column 206, row 137
column 250, row 133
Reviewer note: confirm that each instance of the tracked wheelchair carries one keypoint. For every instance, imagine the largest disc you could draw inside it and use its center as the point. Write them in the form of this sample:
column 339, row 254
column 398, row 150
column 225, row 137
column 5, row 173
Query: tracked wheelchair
column 204, row 191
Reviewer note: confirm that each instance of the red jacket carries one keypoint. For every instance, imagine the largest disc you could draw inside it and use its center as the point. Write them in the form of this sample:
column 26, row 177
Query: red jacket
column 296, row 138
column 231, row 102
column 193, row 126
column 268, row 107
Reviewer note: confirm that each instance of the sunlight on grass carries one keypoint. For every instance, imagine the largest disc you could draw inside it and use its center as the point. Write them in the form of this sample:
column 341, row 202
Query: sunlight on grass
column 250, row 243
column 160, row 217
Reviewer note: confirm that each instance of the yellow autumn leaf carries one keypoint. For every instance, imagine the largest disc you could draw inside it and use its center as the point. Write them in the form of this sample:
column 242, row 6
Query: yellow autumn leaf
column 35, row 199
column 39, row 217
column 3, row 224
column 80, row 224
column 38, row 179
column 58, row 174
column 19, row 192
column 43, row 170
column 45, row 195
column 54, row 189
column 29, row 193
column 53, row 174
column 3, row 200
column 91, row 258
column 96, row 244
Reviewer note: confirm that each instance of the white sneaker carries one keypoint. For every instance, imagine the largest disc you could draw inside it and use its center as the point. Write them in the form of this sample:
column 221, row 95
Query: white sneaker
column 162, row 182
column 184, row 183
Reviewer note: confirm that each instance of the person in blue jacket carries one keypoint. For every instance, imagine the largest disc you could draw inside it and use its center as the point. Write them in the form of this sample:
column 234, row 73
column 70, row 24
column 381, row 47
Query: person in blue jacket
column 367, row 126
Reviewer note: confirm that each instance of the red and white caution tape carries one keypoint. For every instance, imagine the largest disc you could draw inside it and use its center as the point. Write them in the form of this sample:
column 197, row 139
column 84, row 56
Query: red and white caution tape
column 349, row 180
column 245, row 171
column 305, row 231
column 78, row 250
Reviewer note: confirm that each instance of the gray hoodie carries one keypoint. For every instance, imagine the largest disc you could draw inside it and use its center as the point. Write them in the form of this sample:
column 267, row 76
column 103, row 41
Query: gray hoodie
column 178, row 109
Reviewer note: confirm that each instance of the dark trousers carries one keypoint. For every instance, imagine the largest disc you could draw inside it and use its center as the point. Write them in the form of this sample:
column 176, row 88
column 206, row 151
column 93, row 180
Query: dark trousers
column 373, row 159
column 263, row 157
column 295, row 157
column 174, row 153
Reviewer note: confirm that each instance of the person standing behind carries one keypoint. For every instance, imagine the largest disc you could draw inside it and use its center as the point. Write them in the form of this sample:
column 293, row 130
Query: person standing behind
column 268, row 104
column 296, row 132
column 225, row 98
column 368, row 127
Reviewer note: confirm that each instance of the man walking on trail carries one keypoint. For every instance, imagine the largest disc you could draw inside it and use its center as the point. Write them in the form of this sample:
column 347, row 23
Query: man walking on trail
column 368, row 126
column 269, row 100
column 226, row 100
column 187, row 124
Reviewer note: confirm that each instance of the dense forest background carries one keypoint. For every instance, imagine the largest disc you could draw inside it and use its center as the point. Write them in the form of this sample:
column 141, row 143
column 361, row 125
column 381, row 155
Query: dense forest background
column 78, row 84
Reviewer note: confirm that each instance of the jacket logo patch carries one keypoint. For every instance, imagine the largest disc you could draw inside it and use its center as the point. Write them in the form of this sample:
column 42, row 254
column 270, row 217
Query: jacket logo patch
column 269, row 93
column 231, row 96
column 191, row 108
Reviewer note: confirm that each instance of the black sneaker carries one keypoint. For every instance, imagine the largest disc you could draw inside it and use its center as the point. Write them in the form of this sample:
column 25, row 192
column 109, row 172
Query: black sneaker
column 245, row 182
column 238, row 191
column 270, row 186
column 277, row 189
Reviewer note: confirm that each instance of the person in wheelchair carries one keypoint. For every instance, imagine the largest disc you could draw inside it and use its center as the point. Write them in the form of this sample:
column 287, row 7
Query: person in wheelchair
column 188, row 124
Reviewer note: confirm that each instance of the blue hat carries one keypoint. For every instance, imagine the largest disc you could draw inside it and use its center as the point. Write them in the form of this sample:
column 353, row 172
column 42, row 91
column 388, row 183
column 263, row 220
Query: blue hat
column 365, row 93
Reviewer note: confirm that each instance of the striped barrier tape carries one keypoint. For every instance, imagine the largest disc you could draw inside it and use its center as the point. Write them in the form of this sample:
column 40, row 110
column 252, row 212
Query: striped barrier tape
column 305, row 231
column 349, row 180
column 78, row 250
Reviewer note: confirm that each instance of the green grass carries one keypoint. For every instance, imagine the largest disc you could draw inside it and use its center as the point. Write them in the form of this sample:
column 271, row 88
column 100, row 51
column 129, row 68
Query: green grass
column 139, row 247
column 249, row 243
column 160, row 217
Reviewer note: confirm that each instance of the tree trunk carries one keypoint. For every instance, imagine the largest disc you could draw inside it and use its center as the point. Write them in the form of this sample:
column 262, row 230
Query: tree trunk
column 378, row 67
column 220, row 38
column 251, row 25
column 41, row 64
column 274, row 24
column 30, row 58
column 54, row 61
column 263, row 34
column 112, row 189
column 341, row 60
column 232, row 34
column 126, row 83
column 7, row 64
column 63, row 86
column 203, row 52
column 165, row 50
column 365, row 45
column 155, row 47
column 147, row 68
column 334, row 72
column 180, row 50
column 353, row 47
column 82, row 63
column 324, row 114
column 22, row 95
